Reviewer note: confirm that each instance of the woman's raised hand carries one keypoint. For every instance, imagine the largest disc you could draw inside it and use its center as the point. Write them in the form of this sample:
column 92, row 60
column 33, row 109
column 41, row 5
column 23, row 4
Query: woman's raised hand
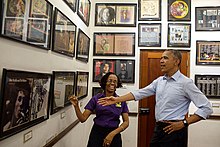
column 74, row 100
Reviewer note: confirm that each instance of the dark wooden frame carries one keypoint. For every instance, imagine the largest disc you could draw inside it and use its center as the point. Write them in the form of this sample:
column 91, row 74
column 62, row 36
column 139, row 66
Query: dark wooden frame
column 61, row 93
column 114, row 16
column 151, row 7
column 64, row 34
column 149, row 34
column 24, row 100
column 82, row 49
column 207, row 52
column 80, row 78
column 18, row 25
column 114, row 44
column 207, row 23
column 71, row 5
column 174, row 9
column 84, row 15
column 209, row 85
column 179, row 35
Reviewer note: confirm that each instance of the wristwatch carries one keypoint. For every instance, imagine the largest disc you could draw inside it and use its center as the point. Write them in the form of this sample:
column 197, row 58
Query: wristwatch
column 185, row 123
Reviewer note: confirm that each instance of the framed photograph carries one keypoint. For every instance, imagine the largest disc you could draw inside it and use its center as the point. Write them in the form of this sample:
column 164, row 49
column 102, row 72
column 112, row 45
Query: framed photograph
column 209, row 85
column 71, row 4
column 24, row 100
column 82, row 50
column 207, row 52
column 64, row 34
column 83, row 12
column 82, row 79
column 149, row 10
column 179, row 35
column 27, row 22
column 207, row 18
column 179, row 10
column 63, row 87
column 112, row 14
column 149, row 34
column 114, row 44
column 125, row 70
column 96, row 90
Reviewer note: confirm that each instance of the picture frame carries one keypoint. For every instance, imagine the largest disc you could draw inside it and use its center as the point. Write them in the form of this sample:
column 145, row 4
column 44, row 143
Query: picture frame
column 83, row 12
column 64, row 34
column 207, row 52
column 123, row 68
column 62, row 88
column 96, row 90
column 179, row 35
column 179, row 10
column 114, row 44
column 207, row 18
column 112, row 14
column 71, row 4
column 149, row 10
column 82, row 79
column 209, row 85
column 149, row 34
column 82, row 50
column 27, row 22
column 25, row 100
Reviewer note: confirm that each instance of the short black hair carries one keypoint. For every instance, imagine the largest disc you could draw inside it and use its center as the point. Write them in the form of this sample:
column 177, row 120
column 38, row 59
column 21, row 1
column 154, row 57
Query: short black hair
column 105, row 78
column 177, row 54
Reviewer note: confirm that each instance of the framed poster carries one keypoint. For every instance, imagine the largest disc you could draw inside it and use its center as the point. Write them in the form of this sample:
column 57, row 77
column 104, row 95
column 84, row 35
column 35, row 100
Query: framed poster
column 112, row 14
column 179, row 35
column 64, row 34
column 149, row 34
column 207, row 18
column 63, row 87
column 149, row 10
column 83, row 12
column 71, row 4
column 114, row 44
column 27, row 21
column 179, row 10
column 207, row 52
column 209, row 85
column 25, row 100
column 82, row 50
column 125, row 70
column 82, row 79
column 96, row 90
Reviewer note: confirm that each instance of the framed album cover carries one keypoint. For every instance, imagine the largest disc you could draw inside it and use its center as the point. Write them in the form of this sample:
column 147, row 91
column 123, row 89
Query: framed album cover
column 64, row 34
column 96, row 90
column 83, row 12
column 71, row 4
column 207, row 52
column 209, row 85
column 149, row 10
column 114, row 44
column 82, row 50
column 207, row 18
column 27, row 21
column 63, row 87
column 82, row 79
column 24, row 100
column 149, row 34
column 179, row 35
column 112, row 14
column 179, row 10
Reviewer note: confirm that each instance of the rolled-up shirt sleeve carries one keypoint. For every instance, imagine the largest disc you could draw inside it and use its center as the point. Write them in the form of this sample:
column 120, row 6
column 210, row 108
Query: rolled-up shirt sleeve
column 199, row 99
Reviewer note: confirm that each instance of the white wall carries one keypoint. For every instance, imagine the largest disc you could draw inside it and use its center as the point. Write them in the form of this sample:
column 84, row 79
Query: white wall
column 23, row 57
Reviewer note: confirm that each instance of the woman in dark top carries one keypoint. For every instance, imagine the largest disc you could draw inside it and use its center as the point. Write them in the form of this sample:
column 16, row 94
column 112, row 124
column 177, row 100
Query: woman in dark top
column 106, row 130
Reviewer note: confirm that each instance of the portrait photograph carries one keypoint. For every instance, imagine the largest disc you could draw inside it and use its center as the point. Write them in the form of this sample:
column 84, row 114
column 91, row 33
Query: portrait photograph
column 149, row 10
column 126, row 15
column 82, row 79
column 15, row 8
column 104, row 43
column 105, row 14
column 83, row 12
column 40, row 9
column 25, row 100
column 14, row 28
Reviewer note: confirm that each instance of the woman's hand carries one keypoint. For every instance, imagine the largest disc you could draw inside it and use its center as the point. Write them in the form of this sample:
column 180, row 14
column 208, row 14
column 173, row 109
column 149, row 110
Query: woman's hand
column 108, row 139
column 74, row 100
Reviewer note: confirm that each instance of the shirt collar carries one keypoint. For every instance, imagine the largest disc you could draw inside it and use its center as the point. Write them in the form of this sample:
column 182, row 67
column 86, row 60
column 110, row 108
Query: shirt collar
column 174, row 76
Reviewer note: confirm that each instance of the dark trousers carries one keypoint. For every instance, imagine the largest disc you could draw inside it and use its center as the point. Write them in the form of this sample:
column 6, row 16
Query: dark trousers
column 175, row 139
column 98, row 134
